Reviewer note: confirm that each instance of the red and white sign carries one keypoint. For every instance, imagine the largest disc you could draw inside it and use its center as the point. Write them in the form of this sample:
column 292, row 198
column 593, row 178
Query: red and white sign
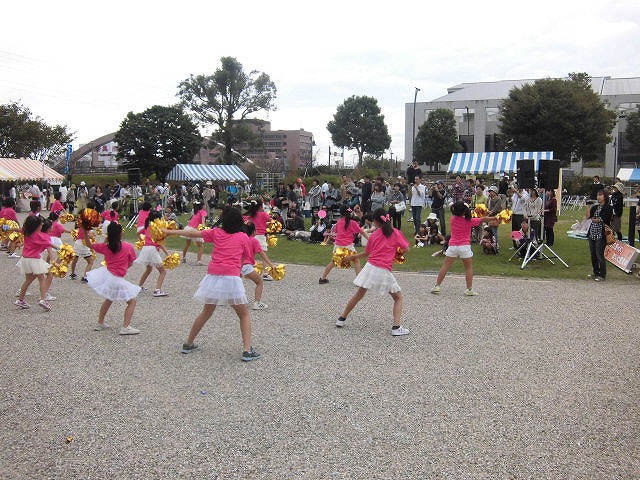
column 621, row 255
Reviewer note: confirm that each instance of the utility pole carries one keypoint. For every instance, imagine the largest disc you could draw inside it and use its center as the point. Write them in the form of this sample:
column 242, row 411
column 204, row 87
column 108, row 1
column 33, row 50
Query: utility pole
column 413, row 131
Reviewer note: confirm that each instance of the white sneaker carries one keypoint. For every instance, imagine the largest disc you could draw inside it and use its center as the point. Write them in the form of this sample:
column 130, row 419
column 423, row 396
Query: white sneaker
column 159, row 293
column 14, row 255
column 399, row 331
column 101, row 326
column 26, row 294
column 470, row 293
column 436, row 289
column 50, row 298
column 267, row 278
column 128, row 331
column 44, row 305
column 340, row 322
column 260, row 306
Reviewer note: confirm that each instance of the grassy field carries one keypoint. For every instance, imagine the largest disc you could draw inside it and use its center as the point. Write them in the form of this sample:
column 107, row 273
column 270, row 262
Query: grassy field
column 574, row 252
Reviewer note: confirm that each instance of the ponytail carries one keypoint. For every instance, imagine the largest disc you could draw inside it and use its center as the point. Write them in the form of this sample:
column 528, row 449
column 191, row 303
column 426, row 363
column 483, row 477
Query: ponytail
column 345, row 212
column 114, row 237
column 382, row 218
column 461, row 209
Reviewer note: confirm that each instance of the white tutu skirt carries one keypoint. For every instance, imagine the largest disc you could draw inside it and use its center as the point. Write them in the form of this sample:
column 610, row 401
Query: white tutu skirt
column 56, row 242
column 247, row 269
column 81, row 249
column 149, row 255
column 36, row 266
column 221, row 290
column 197, row 240
column 113, row 288
column 262, row 239
column 377, row 280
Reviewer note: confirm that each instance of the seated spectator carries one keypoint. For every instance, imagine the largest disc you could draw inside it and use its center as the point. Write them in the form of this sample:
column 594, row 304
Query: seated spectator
column 422, row 237
column 330, row 235
column 523, row 237
column 434, row 237
column 294, row 226
column 445, row 245
column 488, row 242
column 318, row 228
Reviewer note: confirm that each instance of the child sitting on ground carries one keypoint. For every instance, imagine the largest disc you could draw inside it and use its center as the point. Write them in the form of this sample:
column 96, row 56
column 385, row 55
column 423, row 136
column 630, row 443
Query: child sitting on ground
column 488, row 242
column 422, row 237
column 434, row 236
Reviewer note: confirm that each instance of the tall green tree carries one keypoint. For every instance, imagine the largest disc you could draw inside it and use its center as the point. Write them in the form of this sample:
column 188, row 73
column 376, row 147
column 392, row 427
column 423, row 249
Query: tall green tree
column 633, row 128
column 224, row 98
column 563, row 115
column 437, row 138
column 22, row 134
column 157, row 139
column 359, row 125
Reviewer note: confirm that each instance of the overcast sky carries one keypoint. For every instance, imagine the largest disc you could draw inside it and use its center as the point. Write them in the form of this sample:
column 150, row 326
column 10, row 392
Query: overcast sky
column 86, row 64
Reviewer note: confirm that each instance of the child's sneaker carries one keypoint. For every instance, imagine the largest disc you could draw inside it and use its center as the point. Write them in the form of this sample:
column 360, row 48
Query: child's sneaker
column 21, row 304
column 73, row 276
column 340, row 322
column 470, row 292
column 250, row 355
column 267, row 278
column 50, row 298
column 186, row 348
column 260, row 306
column 159, row 293
column 101, row 326
column 128, row 331
column 14, row 255
column 396, row 332
column 436, row 289
column 26, row 294
column 84, row 279
column 44, row 305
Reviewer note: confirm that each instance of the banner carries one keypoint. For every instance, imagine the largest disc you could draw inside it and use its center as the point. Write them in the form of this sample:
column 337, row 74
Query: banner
column 621, row 255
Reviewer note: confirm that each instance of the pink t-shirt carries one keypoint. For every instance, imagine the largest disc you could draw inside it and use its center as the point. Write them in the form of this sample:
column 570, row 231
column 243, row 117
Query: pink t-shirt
column 35, row 244
column 56, row 230
column 81, row 233
column 382, row 250
column 117, row 263
column 260, row 222
column 229, row 250
column 197, row 219
column 56, row 207
column 344, row 236
column 8, row 213
column 148, row 241
column 254, row 248
column 112, row 216
column 461, row 230
column 142, row 217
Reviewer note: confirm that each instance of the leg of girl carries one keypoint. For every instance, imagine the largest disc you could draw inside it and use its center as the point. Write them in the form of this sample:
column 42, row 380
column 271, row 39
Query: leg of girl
column 257, row 279
column 74, row 262
column 468, row 272
column 28, row 278
column 162, row 273
column 187, row 244
column 128, row 312
column 448, row 261
column 248, row 353
column 350, row 306
column 325, row 273
column 145, row 275
column 104, row 308
column 198, row 323
column 88, row 267
column 200, row 250
column 357, row 266
column 397, row 308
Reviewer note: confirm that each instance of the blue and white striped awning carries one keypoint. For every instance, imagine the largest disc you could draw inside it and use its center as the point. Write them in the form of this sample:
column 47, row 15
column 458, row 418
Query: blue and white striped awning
column 629, row 174
column 493, row 162
column 196, row 171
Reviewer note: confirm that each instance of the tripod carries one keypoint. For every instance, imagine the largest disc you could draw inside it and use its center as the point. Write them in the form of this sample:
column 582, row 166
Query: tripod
column 134, row 197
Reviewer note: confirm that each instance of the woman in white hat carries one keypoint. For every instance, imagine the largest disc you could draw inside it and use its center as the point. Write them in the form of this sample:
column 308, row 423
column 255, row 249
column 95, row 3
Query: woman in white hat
column 616, row 200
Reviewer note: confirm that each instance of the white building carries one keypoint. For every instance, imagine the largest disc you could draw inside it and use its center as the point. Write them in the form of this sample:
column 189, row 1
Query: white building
column 476, row 108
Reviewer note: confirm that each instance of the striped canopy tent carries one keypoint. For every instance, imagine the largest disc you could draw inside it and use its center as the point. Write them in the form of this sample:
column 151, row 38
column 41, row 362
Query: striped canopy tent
column 493, row 162
column 629, row 174
column 27, row 170
column 197, row 171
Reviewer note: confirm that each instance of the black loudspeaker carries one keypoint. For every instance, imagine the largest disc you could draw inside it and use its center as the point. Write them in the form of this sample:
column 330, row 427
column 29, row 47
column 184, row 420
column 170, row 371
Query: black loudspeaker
column 549, row 174
column 526, row 174
column 134, row 176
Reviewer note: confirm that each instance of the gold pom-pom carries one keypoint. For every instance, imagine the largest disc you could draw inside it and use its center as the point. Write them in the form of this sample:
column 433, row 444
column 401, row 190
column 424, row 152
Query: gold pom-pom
column 89, row 218
column 259, row 268
column 66, row 253
column 480, row 211
column 140, row 242
column 171, row 261
column 9, row 225
column 103, row 263
column 504, row 216
column 74, row 233
column 274, row 226
column 16, row 237
column 59, row 270
column 340, row 255
column 277, row 272
column 272, row 241
column 202, row 227
column 399, row 257
column 98, row 231
column 66, row 218
column 157, row 226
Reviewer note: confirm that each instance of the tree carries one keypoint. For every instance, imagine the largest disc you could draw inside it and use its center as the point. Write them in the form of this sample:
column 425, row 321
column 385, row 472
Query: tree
column 633, row 128
column 224, row 98
column 157, row 139
column 24, row 135
column 437, row 138
column 358, row 124
column 563, row 115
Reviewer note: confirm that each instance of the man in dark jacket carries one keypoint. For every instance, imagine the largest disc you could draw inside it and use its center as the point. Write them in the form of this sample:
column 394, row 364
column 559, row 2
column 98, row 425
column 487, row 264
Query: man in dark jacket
column 596, row 186
column 367, row 189
column 616, row 200
column 413, row 171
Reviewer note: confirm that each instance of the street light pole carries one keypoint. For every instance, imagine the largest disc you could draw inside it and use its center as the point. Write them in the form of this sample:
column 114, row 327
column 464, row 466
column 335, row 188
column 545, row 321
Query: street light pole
column 413, row 131
column 467, row 120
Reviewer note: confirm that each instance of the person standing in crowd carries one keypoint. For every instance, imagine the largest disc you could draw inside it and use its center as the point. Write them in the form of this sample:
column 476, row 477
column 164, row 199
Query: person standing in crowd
column 397, row 207
column 550, row 217
column 533, row 211
column 315, row 195
column 413, row 171
column 495, row 205
column 596, row 186
column 209, row 198
column 600, row 215
column 518, row 202
column 63, row 190
column 617, row 203
column 377, row 198
column 367, row 191
column 418, row 194
column 438, row 195
column 503, row 186
column 457, row 190
column 82, row 196
column 478, row 198
column 71, row 198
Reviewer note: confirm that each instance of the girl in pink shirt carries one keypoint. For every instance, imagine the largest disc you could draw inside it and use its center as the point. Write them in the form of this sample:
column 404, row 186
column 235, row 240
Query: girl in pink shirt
column 56, row 206
column 31, row 264
column 247, row 266
column 143, row 213
column 110, row 215
column 83, row 248
column 199, row 217
column 150, row 257
column 223, row 285
column 259, row 218
column 346, row 229
column 460, row 245
column 8, row 213
column 57, row 229
column 109, row 282
column 376, row 275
